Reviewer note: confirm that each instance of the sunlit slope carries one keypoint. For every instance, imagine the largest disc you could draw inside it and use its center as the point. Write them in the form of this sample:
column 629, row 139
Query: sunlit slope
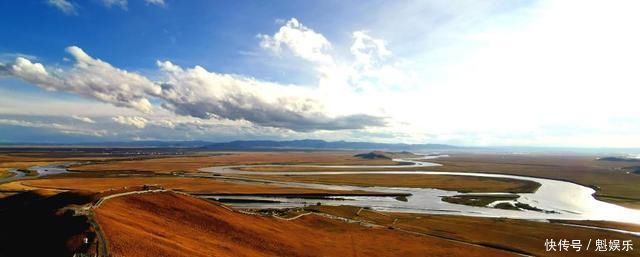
column 170, row 224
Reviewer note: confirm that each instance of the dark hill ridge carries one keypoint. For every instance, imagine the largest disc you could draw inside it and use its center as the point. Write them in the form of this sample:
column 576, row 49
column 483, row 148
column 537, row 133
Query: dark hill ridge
column 618, row 159
column 386, row 155
column 310, row 144
column 372, row 155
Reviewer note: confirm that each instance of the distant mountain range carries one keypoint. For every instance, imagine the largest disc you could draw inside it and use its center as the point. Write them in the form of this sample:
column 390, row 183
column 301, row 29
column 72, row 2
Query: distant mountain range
column 119, row 144
column 314, row 144
column 310, row 144
column 307, row 144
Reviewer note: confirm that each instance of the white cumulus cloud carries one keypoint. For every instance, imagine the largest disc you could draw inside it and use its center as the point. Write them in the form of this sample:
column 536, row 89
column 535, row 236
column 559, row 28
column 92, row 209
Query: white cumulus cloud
column 199, row 93
column 91, row 78
column 61, row 128
column 368, row 50
column 135, row 121
column 300, row 40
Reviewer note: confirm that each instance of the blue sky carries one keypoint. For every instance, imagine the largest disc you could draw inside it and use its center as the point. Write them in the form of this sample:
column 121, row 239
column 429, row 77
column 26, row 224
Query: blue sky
column 543, row 73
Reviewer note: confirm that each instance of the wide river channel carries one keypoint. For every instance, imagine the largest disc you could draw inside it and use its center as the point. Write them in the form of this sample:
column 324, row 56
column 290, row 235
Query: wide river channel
column 558, row 199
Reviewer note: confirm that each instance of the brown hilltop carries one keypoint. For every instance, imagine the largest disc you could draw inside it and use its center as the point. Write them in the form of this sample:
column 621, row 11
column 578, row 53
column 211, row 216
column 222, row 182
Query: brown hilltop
column 170, row 224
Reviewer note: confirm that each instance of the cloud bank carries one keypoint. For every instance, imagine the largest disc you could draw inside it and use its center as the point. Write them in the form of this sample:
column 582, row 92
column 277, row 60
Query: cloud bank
column 90, row 78
column 193, row 92
column 199, row 93
column 135, row 121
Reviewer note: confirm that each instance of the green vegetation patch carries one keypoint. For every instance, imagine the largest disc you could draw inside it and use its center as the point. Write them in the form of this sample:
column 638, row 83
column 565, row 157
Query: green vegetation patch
column 28, row 172
column 479, row 200
column 486, row 200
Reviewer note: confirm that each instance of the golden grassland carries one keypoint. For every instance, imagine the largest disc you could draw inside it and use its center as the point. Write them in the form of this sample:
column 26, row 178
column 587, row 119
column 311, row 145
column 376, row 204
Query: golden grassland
column 190, row 185
column 604, row 224
column 168, row 224
column 444, row 182
column 517, row 235
column 193, row 163
column 612, row 183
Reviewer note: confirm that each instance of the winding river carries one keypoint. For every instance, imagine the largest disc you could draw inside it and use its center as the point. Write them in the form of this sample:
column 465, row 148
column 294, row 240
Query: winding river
column 43, row 170
column 557, row 199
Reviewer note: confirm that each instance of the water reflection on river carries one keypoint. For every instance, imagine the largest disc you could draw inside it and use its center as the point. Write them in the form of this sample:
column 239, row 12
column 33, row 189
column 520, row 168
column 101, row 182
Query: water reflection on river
column 558, row 199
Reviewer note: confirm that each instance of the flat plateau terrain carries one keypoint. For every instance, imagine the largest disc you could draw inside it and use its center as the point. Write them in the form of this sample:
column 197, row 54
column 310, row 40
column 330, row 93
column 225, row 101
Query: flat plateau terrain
column 193, row 163
column 444, row 182
column 517, row 235
column 188, row 185
column 612, row 182
column 57, row 211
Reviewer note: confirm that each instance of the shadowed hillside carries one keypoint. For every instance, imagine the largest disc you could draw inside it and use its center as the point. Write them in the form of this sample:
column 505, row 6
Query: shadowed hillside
column 35, row 224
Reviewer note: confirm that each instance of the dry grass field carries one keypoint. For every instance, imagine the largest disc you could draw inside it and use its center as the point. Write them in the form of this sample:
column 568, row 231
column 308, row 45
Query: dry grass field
column 171, row 224
column 190, row 185
column 612, row 183
column 518, row 235
column 193, row 163
column 167, row 224
column 444, row 182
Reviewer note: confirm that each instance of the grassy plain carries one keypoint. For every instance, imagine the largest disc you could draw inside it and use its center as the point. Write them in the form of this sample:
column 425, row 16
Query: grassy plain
column 611, row 180
column 444, row 182
column 189, row 185
column 171, row 224
column 193, row 163
column 522, row 236
column 613, row 183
